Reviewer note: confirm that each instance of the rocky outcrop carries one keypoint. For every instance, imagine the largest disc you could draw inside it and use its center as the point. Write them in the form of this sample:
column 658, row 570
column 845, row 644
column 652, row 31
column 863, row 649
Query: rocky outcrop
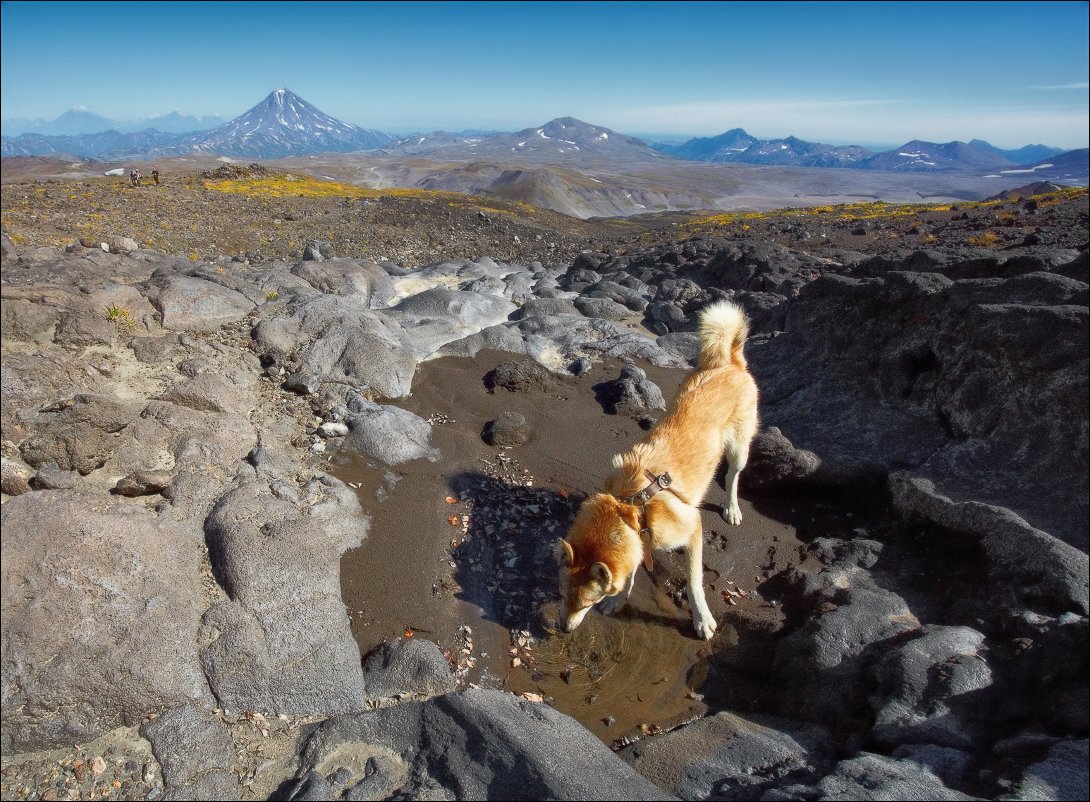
column 101, row 602
column 928, row 362
column 282, row 643
column 172, row 542
column 479, row 744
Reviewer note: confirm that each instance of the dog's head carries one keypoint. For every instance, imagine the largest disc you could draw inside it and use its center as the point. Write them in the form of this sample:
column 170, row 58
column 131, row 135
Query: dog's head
column 597, row 557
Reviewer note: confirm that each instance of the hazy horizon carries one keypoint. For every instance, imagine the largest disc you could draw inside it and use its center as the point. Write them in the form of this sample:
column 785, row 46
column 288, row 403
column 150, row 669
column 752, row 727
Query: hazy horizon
column 870, row 74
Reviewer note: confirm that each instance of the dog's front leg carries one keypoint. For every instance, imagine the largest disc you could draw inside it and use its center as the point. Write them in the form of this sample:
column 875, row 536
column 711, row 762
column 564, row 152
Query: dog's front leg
column 703, row 621
column 611, row 605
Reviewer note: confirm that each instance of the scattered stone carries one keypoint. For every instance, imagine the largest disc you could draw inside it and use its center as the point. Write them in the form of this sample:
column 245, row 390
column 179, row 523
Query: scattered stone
column 631, row 394
column 51, row 477
column 389, row 434
column 14, row 480
column 519, row 377
column 143, row 483
column 473, row 739
column 317, row 251
column 407, row 668
column 333, row 429
column 124, row 245
column 302, row 382
column 509, row 429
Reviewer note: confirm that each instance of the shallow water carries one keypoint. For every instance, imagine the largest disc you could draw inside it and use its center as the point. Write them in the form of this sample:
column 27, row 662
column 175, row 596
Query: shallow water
column 460, row 552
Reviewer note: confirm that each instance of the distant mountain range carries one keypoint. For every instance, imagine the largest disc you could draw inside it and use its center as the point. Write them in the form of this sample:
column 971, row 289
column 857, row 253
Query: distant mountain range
column 563, row 139
column 738, row 146
column 284, row 124
column 76, row 123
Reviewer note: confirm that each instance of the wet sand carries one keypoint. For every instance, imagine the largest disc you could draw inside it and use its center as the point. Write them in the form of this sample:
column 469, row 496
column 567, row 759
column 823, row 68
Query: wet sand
column 460, row 553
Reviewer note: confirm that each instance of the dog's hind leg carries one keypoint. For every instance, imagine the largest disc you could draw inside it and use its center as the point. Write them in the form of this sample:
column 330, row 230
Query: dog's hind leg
column 736, row 461
column 611, row 605
column 703, row 621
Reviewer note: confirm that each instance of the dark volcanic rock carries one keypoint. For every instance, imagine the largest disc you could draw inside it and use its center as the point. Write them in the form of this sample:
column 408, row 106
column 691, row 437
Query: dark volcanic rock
column 632, row 393
column 871, row 776
column 195, row 752
column 727, row 756
column 519, row 377
column 509, row 429
column 474, row 741
column 602, row 307
column 926, row 687
column 104, row 658
column 913, row 371
column 409, row 668
column 282, row 643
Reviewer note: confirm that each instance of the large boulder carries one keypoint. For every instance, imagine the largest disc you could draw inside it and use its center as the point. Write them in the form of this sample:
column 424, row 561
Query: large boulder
column 193, row 304
column 438, row 316
column 195, row 753
column 477, row 744
column 358, row 277
column 926, row 686
column 915, row 372
column 283, row 642
column 79, row 434
column 101, row 603
column 727, row 756
column 337, row 338
column 389, row 434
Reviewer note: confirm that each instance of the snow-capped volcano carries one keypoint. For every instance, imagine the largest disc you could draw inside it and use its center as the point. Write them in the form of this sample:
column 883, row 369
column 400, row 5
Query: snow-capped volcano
column 283, row 124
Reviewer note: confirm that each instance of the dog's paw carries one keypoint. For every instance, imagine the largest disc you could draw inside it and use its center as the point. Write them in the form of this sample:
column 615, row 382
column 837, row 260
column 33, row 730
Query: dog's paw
column 611, row 605
column 705, row 628
column 732, row 514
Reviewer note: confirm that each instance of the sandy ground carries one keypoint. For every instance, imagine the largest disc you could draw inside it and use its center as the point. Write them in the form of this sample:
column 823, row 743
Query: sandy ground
column 460, row 553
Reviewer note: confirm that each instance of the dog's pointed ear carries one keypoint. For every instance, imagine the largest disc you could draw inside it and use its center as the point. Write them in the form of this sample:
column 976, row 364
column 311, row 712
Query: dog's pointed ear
column 564, row 553
column 601, row 574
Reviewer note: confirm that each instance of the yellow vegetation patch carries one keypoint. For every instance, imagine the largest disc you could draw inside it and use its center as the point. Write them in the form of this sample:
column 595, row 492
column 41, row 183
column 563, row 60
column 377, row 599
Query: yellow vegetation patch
column 301, row 186
column 875, row 210
column 985, row 240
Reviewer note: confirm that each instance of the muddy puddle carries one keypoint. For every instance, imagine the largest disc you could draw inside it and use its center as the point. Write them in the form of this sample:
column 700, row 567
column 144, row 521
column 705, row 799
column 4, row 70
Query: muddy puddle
column 460, row 552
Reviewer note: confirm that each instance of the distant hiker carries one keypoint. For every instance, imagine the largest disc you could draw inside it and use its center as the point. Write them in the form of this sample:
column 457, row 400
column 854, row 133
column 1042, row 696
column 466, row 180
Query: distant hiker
column 134, row 177
column 155, row 175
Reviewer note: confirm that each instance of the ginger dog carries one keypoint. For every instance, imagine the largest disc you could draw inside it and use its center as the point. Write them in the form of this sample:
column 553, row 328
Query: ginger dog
column 651, row 500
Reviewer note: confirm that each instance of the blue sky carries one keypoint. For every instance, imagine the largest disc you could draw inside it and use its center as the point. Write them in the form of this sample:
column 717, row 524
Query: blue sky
column 864, row 73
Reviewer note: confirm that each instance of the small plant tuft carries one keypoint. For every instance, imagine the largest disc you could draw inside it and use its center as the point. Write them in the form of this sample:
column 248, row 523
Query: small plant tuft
column 122, row 318
column 985, row 240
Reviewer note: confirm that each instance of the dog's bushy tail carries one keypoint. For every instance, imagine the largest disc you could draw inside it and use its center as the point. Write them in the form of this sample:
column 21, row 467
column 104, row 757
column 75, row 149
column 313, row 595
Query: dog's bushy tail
column 723, row 331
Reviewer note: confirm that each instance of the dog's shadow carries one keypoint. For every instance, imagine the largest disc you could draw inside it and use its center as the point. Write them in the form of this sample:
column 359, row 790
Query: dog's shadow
column 505, row 562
